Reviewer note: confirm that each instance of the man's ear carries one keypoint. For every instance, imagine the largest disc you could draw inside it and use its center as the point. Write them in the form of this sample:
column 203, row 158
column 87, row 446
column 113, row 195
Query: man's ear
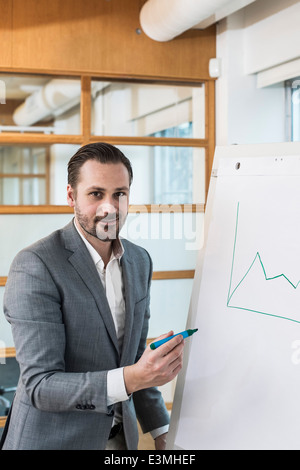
column 70, row 196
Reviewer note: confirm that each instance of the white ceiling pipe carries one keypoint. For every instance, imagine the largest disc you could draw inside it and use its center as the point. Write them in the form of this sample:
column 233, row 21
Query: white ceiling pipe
column 51, row 100
column 56, row 94
column 162, row 20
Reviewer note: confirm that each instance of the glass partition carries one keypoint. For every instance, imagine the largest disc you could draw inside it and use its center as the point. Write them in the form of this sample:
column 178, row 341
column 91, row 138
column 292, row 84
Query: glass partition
column 169, row 305
column 42, row 118
column 139, row 110
column 37, row 175
column 166, row 175
column 44, row 104
column 24, row 175
column 34, row 175
column 294, row 105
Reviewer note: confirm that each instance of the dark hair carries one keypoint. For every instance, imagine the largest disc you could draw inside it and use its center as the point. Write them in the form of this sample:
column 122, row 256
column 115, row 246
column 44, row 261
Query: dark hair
column 100, row 151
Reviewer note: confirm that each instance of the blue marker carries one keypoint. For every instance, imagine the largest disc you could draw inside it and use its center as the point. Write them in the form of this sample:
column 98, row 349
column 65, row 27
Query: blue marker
column 185, row 334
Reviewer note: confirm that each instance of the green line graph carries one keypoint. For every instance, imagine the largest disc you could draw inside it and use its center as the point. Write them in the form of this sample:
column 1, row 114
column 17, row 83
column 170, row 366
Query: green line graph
column 267, row 278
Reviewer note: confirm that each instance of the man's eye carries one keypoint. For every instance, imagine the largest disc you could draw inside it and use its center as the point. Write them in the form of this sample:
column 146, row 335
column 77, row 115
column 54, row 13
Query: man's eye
column 121, row 194
column 95, row 194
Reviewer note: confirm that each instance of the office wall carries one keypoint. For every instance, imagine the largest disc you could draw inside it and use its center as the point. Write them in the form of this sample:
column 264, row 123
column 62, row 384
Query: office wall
column 272, row 34
column 245, row 114
column 96, row 37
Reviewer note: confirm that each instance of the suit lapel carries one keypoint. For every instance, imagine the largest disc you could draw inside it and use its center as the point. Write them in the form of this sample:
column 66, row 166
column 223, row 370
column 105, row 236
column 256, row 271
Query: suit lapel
column 85, row 267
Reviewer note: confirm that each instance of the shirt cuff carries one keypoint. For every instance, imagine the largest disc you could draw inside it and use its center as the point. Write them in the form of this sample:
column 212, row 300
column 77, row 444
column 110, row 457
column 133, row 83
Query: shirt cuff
column 116, row 390
column 157, row 432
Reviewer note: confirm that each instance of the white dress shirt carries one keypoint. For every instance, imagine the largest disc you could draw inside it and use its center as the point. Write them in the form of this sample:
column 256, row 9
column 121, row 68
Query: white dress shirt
column 112, row 281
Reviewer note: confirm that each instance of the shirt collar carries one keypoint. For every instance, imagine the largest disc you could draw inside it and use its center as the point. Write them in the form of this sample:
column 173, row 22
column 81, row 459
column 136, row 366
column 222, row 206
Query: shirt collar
column 117, row 248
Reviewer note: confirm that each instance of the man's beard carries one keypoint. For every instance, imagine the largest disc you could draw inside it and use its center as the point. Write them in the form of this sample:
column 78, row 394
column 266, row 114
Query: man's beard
column 104, row 228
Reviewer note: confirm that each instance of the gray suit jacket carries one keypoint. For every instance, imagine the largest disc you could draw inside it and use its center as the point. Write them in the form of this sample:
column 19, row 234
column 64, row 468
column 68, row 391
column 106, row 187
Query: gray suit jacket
column 66, row 342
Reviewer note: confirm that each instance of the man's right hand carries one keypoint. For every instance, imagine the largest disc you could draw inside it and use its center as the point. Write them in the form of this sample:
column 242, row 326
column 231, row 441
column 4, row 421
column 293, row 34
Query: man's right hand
column 155, row 367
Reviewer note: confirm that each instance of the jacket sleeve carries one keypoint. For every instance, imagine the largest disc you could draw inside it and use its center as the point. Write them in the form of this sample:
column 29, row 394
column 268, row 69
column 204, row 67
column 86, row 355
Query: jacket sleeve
column 32, row 305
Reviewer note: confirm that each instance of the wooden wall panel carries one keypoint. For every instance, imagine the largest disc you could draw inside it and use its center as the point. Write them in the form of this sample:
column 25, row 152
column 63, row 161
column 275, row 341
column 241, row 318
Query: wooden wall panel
column 98, row 37
column 6, row 32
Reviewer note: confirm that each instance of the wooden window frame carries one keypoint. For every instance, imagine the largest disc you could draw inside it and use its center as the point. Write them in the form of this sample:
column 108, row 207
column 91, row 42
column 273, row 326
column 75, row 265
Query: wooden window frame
column 85, row 137
column 45, row 176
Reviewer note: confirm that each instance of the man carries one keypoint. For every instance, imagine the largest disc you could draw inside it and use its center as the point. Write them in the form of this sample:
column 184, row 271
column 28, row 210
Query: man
column 78, row 303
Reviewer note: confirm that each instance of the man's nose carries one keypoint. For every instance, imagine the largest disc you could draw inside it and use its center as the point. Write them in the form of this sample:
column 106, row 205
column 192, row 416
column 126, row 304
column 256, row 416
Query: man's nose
column 106, row 207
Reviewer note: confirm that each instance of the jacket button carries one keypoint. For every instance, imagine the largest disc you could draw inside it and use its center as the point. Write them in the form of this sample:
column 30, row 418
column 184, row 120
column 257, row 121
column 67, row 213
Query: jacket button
column 78, row 407
column 92, row 407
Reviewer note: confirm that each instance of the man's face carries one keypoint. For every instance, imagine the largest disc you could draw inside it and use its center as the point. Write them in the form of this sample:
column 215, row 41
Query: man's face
column 101, row 198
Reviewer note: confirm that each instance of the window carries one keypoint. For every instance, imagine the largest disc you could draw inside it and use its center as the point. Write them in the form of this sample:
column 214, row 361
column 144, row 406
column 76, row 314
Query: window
column 161, row 112
column 42, row 104
column 296, row 109
column 292, row 88
column 24, row 175
column 173, row 168
column 161, row 125
column 139, row 110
